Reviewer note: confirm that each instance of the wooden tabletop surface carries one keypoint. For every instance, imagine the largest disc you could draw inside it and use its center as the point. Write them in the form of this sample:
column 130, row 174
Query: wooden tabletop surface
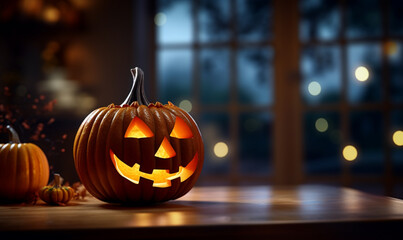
column 308, row 211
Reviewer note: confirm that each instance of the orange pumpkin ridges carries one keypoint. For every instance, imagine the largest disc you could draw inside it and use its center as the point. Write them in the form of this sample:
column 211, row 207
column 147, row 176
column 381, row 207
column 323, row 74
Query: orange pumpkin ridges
column 138, row 152
column 24, row 169
column 56, row 194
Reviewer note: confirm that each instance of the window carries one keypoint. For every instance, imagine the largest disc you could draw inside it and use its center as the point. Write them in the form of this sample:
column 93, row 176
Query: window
column 286, row 85
column 213, row 60
column 350, row 91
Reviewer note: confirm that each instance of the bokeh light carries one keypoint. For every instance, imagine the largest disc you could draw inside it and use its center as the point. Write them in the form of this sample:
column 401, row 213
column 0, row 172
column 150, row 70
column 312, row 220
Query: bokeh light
column 160, row 19
column 398, row 138
column 314, row 88
column 186, row 105
column 221, row 149
column 51, row 14
column 391, row 48
column 361, row 73
column 321, row 125
column 350, row 153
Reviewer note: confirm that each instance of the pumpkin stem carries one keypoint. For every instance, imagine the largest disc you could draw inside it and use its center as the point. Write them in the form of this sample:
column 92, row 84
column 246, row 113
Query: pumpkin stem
column 13, row 135
column 58, row 180
column 137, row 92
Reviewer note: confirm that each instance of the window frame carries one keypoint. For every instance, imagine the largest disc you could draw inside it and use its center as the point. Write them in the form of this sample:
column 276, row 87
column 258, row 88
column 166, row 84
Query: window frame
column 288, row 107
column 344, row 108
column 233, row 109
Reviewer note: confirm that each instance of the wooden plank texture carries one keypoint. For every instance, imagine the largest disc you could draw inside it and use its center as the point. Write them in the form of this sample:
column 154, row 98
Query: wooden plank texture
column 302, row 212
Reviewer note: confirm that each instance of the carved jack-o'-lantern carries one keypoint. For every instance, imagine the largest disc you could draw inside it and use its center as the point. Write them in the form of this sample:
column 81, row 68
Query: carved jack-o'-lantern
column 138, row 153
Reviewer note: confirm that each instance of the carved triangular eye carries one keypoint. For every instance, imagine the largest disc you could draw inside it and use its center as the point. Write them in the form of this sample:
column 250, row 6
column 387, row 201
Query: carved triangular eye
column 138, row 129
column 181, row 130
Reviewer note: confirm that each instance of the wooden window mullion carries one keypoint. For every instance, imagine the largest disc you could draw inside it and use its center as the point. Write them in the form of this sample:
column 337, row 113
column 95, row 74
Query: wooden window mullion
column 288, row 153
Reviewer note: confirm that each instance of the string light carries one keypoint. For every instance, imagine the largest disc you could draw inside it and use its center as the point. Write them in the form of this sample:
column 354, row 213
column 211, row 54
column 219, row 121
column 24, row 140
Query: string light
column 221, row 149
column 350, row 153
column 361, row 73
column 391, row 48
column 398, row 138
column 160, row 19
column 321, row 125
column 314, row 88
column 186, row 105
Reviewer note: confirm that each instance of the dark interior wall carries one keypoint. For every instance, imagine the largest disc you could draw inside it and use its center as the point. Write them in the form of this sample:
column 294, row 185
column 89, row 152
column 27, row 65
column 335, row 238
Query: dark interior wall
column 107, row 48
column 97, row 56
column 109, row 42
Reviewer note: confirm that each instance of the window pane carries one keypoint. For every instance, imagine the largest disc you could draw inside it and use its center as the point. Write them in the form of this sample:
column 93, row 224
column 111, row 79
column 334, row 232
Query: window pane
column 214, row 71
column 320, row 20
column 395, row 52
column 255, row 76
column 214, row 20
column 397, row 151
column 215, row 128
column 174, row 75
column 366, row 133
column 396, row 17
column 322, row 143
column 364, row 18
column 254, row 18
column 255, row 142
column 369, row 57
column 176, row 23
column 321, row 66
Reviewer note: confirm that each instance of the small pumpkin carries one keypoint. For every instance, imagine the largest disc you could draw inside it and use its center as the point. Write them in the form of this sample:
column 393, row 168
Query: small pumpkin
column 138, row 152
column 24, row 169
column 55, row 194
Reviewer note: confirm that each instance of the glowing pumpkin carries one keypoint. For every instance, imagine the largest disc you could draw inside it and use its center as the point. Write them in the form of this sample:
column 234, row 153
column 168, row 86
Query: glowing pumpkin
column 138, row 153
column 24, row 169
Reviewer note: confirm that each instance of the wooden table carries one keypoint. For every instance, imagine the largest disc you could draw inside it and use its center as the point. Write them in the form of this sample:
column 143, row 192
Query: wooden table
column 303, row 212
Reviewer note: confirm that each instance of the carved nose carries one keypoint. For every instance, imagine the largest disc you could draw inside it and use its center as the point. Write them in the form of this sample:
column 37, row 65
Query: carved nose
column 165, row 150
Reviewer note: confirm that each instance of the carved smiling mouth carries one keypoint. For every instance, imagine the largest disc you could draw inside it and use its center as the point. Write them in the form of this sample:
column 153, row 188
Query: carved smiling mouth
column 161, row 177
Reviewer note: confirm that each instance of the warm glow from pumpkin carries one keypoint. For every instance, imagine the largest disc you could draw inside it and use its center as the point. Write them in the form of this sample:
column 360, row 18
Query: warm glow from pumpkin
column 398, row 138
column 138, row 129
column 350, row 153
column 181, row 130
column 161, row 177
column 165, row 150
